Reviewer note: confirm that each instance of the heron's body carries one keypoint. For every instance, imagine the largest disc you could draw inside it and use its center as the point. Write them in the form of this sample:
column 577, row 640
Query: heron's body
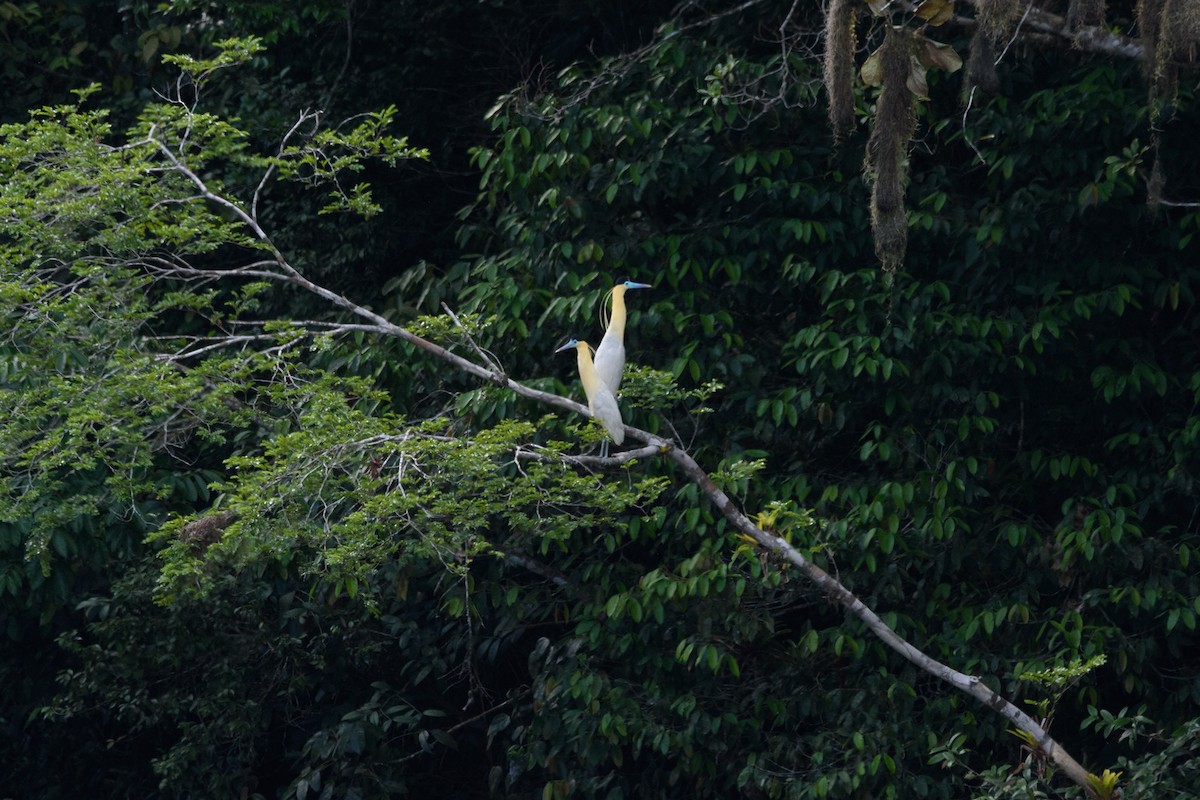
column 602, row 402
column 610, row 355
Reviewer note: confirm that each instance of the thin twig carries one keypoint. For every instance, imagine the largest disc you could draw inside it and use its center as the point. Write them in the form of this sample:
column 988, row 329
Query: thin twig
column 333, row 87
column 468, row 721
column 1177, row 204
column 966, row 138
column 270, row 170
column 1016, row 32
column 486, row 356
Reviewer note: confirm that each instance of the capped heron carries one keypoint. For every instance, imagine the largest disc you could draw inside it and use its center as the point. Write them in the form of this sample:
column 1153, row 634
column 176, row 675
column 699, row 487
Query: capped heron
column 610, row 355
column 602, row 402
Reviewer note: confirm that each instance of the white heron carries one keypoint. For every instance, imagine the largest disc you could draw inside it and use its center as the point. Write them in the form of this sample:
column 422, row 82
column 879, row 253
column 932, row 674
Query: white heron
column 610, row 355
column 602, row 401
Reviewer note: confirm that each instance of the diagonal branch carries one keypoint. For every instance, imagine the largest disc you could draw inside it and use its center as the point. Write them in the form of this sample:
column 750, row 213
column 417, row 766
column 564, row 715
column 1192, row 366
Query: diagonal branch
column 829, row 586
column 834, row 589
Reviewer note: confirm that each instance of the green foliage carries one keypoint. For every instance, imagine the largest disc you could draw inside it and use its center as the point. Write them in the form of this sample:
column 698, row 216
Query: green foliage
column 185, row 686
column 49, row 48
column 96, row 234
column 934, row 420
column 1104, row 785
column 122, row 361
column 344, row 488
column 1055, row 680
column 416, row 590
column 230, row 53
column 328, row 154
column 1170, row 769
column 1167, row 767
column 1060, row 677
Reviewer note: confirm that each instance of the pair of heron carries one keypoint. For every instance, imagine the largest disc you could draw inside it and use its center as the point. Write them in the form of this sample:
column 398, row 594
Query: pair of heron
column 601, row 377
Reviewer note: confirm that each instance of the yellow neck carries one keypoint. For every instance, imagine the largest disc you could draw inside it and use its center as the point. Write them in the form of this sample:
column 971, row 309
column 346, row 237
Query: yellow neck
column 587, row 371
column 616, row 323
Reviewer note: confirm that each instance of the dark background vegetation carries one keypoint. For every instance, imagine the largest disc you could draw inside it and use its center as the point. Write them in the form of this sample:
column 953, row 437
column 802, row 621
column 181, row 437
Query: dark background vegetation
column 999, row 438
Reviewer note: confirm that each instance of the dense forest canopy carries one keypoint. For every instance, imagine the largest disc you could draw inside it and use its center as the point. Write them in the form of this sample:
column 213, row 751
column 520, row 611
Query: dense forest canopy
column 299, row 501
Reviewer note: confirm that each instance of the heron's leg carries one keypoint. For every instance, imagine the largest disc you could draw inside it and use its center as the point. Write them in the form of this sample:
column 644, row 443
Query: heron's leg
column 604, row 449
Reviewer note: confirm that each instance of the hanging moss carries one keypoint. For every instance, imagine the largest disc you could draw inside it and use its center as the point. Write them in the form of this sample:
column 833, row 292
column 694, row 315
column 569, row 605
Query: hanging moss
column 1178, row 41
column 891, row 130
column 840, row 44
column 1149, row 20
column 1170, row 32
column 994, row 21
column 1154, row 187
column 998, row 17
column 1085, row 13
column 981, row 64
column 201, row 533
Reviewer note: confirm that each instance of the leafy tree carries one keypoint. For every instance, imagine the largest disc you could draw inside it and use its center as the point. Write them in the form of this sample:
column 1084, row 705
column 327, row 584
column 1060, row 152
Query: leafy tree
column 905, row 409
column 419, row 577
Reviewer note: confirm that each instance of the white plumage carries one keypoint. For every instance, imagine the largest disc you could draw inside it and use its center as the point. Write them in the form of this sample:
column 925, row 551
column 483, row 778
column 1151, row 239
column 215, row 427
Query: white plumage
column 602, row 402
column 610, row 355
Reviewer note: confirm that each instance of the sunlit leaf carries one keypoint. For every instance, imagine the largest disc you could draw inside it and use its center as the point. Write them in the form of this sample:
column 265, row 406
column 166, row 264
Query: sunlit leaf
column 872, row 70
column 935, row 12
column 944, row 16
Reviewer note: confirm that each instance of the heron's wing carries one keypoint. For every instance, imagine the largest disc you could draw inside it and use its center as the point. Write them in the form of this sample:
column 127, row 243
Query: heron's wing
column 610, row 361
column 604, row 408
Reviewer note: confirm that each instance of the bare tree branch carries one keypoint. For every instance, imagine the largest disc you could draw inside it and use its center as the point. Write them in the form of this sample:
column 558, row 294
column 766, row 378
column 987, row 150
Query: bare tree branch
column 487, row 358
column 1092, row 38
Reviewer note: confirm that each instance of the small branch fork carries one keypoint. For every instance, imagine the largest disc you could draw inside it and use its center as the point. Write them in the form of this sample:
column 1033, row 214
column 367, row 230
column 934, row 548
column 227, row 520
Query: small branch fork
column 279, row 270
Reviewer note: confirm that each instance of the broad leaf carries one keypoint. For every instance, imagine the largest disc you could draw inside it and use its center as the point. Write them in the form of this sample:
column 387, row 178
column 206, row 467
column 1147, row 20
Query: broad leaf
column 872, row 70
column 938, row 55
column 935, row 12
column 917, row 83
